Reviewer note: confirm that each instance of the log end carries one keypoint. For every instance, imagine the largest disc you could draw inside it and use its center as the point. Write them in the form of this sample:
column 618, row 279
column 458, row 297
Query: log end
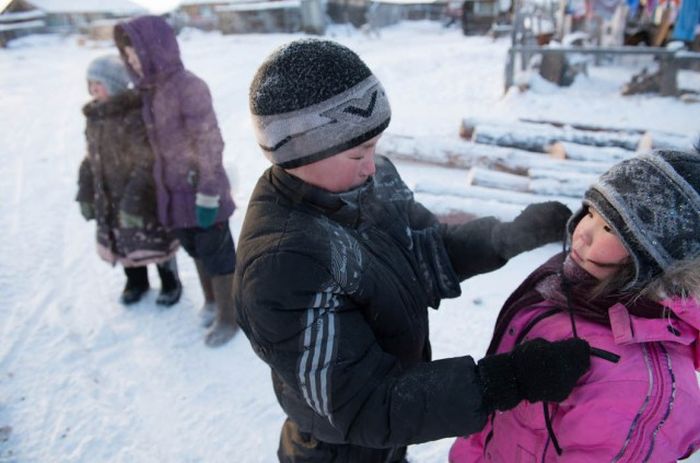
column 470, row 176
column 556, row 150
column 466, row 130
column 646, row 143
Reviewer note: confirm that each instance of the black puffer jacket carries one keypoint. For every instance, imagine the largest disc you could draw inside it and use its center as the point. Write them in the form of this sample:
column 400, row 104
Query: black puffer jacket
column 116, row 175
column 332, row 291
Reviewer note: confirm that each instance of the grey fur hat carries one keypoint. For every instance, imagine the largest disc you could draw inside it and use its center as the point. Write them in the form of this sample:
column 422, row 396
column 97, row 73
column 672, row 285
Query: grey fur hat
column 110, row 71
column 311, row 99
column 652, row 201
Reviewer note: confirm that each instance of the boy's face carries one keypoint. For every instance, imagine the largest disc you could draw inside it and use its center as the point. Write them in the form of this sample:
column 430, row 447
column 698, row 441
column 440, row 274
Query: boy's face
column 343, row 171
column 596, row 247
column 98, row 91
column 133, row 60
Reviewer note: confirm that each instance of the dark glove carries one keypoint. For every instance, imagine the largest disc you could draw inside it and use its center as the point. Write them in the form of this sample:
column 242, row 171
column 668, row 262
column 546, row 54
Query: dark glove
column 536, row 370
column 537, row 225
column 127, row 220
column 87, row 210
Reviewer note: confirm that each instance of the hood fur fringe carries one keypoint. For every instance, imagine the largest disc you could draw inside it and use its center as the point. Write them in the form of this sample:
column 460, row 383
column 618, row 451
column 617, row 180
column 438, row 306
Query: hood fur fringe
column 681, row 280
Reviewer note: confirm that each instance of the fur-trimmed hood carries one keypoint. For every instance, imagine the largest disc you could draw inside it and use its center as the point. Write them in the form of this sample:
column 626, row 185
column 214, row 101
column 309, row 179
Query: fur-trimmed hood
column 119, row 104
column 682, row 279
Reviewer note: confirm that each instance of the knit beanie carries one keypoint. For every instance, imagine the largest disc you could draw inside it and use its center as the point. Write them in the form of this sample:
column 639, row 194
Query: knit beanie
column 311, row 99
column 109, row 71
column 652, row 202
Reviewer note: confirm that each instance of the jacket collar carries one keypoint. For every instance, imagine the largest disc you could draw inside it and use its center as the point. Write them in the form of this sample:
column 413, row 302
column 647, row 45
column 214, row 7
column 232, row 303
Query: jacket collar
column 683, row 328
column 344, row 208
column 116, row 105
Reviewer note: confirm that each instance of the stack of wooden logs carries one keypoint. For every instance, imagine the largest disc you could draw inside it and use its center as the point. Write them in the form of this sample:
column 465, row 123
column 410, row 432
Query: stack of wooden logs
column 510, row 165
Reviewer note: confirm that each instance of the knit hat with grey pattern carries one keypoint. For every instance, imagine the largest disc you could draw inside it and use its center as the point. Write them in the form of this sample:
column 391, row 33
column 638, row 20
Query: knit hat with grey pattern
column 652, row 202
column 312, row 99
column 110, row 71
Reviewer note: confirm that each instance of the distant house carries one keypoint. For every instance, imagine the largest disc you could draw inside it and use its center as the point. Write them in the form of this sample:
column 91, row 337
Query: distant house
column 74, row 15
column 15, row 25
column 277, row 16
column 381, row 13
column 202, row 13
column 479, row 15
column 244, row 16
column 348, row 11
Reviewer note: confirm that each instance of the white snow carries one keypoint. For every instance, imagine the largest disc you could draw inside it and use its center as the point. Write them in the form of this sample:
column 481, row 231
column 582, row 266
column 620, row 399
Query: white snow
column 84, row 379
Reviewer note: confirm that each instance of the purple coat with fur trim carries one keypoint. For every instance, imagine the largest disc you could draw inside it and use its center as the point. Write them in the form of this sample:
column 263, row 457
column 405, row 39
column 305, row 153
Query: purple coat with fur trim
column 182, row 126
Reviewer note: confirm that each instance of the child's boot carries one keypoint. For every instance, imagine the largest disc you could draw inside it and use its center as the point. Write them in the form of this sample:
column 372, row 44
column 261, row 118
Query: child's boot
column 225, row 326
column 170, row 287
column 136, row 285
column 207, row 313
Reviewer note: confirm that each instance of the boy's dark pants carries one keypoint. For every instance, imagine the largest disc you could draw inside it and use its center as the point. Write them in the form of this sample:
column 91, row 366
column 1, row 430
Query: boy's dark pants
column 212, row 246
column 300, row 447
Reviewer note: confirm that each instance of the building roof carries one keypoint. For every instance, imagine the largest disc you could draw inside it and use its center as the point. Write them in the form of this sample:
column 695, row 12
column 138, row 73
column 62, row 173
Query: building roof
column 84, row 6
column 264, row 5
column 21, row 16
column 207, row 2
column 411, row 2
column 35, row 24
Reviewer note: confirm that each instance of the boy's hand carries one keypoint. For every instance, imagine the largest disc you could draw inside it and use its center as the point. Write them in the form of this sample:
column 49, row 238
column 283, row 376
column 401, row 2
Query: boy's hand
column 536, row 370
column 206, row 209
column 87, row 210
column 538, row 224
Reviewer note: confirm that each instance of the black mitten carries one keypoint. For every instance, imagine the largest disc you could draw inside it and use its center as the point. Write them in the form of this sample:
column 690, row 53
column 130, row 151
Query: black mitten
column 536, row 370
column 537, row 224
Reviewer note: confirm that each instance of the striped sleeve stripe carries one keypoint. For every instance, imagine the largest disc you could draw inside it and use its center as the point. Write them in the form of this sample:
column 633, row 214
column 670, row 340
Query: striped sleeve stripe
column 318, row 349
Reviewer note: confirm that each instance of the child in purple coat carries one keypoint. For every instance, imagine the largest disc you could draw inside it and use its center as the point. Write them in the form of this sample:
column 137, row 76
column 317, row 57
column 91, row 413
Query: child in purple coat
column 193, row 190
column 630, row 286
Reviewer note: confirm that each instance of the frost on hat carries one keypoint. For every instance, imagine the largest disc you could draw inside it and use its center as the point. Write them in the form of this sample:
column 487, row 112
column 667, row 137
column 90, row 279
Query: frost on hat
column 312, row 99
column 652, row 201
column 109, row 71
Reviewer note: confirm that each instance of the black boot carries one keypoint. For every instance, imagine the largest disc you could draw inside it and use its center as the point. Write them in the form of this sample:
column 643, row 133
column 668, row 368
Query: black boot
column 170, row 287
column 136, row 285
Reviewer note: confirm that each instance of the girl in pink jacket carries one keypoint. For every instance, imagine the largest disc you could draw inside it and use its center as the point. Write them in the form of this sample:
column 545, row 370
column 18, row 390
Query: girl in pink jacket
column 630, row 286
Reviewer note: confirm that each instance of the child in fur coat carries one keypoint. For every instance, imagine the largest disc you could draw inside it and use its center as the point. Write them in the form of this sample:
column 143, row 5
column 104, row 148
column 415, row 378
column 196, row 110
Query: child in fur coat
column 116, row 186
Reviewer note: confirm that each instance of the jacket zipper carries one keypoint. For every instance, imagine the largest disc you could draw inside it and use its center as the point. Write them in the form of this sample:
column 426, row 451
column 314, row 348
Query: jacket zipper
column 649, row 420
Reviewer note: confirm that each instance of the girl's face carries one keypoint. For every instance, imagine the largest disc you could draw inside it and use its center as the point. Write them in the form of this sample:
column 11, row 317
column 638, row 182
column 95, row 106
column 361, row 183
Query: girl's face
column 343, row 171
column 133, row 59
column 98, row 91
column 596, row 247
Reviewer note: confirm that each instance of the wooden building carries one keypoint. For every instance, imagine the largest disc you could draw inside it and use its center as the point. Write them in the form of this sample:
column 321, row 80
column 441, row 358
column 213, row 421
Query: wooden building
column 70, row 16
column 201, row 13
column 19, row 24
column 256, row 17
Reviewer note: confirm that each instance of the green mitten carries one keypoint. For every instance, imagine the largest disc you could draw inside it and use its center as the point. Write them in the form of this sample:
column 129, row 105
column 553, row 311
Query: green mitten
column 206, row 209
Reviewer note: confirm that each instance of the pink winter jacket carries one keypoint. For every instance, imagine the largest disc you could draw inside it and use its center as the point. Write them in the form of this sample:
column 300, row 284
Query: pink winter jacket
column 645, row 408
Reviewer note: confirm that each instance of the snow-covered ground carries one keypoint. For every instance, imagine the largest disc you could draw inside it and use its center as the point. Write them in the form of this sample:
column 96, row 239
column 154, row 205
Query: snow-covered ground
column 84, row 379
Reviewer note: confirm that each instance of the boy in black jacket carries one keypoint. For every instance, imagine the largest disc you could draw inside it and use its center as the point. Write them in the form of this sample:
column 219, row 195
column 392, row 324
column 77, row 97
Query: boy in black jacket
column 337, row 265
